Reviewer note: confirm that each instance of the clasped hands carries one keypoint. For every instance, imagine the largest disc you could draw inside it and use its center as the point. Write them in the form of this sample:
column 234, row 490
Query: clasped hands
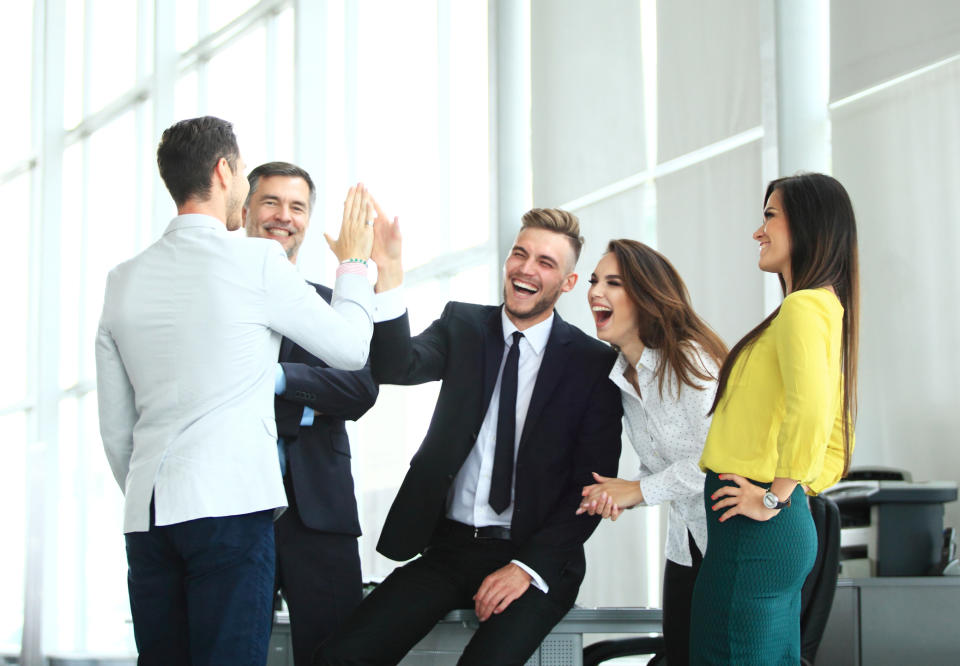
column 609, row 497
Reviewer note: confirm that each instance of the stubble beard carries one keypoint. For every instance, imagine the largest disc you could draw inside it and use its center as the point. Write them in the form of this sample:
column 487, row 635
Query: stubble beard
column 544, row 303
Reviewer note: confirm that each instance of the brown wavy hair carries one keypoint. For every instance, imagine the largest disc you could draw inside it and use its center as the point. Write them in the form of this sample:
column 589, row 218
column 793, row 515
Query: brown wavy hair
column 667, row 321
column 823, row 252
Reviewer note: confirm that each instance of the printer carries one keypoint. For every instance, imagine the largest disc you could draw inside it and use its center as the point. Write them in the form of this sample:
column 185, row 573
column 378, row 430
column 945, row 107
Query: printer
column 890, row 525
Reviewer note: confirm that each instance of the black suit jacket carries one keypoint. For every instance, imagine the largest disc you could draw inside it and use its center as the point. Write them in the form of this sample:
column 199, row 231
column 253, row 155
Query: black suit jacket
column 318, row 456
column 572, row 428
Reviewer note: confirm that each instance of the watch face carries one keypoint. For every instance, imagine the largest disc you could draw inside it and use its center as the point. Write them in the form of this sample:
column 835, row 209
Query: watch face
column 770, row 500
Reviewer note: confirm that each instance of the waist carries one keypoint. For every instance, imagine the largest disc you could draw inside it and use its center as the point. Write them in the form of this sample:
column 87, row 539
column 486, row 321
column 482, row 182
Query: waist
column 455, row 528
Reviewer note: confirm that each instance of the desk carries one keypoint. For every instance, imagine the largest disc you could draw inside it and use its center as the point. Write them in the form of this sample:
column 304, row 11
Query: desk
column 893, row 621
column 443, row 645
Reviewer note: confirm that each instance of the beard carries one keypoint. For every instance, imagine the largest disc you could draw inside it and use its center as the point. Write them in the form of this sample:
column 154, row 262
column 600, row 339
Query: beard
column 234, row 210
column 533, row 309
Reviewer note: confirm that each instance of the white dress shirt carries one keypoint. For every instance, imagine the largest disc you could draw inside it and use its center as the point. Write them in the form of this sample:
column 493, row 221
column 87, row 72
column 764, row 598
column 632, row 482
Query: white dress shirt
column 186, row 357
column 468, row 498
column 668, row 433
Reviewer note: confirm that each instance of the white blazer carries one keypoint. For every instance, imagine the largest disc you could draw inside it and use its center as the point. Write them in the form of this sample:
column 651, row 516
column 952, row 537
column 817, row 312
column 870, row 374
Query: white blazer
column 186, row 356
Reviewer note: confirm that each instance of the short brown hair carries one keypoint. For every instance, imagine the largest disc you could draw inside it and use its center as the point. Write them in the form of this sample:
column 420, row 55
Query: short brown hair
column 558, row 221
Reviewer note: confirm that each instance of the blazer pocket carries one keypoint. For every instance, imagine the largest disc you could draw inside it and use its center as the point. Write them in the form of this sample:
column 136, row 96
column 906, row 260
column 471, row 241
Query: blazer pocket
column 340, row 443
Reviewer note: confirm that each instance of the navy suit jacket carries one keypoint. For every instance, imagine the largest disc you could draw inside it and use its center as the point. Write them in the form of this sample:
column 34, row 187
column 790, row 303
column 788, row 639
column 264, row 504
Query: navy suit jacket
column 318, row 456
column 572, row 428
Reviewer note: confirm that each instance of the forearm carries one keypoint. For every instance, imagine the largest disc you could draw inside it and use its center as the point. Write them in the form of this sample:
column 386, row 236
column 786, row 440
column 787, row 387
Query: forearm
column 783, row 487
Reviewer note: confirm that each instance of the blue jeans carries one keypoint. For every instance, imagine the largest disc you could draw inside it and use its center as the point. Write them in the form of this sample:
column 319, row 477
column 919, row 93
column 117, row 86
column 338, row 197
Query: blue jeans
column 201, row 591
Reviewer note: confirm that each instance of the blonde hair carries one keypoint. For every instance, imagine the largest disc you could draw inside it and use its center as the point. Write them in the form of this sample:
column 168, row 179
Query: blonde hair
column 558, row 221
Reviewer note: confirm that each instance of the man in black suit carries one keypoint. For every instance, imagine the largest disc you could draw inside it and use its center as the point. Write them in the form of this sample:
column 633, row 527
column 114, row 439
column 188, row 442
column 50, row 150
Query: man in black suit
column 318, row 562
column 525, row 414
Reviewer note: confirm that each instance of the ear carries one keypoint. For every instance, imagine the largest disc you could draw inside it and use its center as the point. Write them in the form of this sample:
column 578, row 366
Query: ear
column 569, row 282
column 222, row 175
column 243, row 217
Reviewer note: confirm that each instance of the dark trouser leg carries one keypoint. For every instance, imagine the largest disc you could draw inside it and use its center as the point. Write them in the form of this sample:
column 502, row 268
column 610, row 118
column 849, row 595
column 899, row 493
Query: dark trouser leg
column 511, row 637
column 229, row 585
column 398, row 613
column 678, row 582
column 158, row 603
column 320, row 577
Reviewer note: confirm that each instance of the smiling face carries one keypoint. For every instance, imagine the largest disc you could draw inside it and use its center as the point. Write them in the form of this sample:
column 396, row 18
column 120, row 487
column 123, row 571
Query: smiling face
column 279, row 209
column 774, row 238
column 539, row 269
column 614, row 313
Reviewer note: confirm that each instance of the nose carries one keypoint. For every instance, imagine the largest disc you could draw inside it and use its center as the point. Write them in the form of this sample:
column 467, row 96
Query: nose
column 528, row 266
column 594, row 290
column 758, row 234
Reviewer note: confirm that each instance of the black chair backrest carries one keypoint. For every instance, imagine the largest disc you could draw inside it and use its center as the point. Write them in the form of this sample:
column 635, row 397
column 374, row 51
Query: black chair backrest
column 816, row 596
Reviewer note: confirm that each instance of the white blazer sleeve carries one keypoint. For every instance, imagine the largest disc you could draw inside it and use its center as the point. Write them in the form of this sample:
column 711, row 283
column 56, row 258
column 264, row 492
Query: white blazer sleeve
column 339, row 333
column 115, row 400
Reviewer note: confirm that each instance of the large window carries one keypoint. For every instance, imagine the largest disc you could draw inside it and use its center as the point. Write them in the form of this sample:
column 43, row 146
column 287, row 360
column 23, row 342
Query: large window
column 409, row 117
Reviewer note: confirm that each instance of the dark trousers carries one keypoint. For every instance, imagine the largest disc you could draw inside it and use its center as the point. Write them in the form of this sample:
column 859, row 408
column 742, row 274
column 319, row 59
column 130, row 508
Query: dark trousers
column 678, row 581
column 201, row 591
column 319, row 577
column 403, row 609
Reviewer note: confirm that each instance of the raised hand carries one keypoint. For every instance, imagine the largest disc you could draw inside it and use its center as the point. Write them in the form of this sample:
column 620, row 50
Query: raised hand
column 356, row 230
column 387, row 246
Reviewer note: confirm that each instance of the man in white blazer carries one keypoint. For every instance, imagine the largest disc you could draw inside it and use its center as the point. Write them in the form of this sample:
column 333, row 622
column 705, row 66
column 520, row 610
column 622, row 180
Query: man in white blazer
column 186, row 357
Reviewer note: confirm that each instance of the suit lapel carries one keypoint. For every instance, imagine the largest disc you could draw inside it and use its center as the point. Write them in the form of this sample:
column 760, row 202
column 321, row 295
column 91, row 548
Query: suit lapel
column 492, row 355
column 286, row 346
column 552, row 367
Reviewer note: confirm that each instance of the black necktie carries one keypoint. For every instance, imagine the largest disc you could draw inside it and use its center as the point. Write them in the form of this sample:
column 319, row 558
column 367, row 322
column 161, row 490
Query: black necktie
column 501, row 482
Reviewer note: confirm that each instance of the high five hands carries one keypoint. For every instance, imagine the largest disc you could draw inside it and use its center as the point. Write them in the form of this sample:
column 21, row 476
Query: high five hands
column 367, row 233
column 356, row 231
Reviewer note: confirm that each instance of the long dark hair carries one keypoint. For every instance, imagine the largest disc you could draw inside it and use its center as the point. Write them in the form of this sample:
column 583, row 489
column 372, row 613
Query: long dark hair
column 823, row 252
column 667, row 321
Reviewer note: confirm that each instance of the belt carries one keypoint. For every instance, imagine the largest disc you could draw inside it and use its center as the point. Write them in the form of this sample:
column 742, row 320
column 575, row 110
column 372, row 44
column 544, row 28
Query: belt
column 455, row 528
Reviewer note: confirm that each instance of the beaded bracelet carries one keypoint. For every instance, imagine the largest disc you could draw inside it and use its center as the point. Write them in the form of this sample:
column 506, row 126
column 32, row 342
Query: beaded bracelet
column 354, row 260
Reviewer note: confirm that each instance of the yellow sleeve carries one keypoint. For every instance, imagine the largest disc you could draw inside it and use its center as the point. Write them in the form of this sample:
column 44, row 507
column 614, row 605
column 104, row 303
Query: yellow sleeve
column 833, row 457
column 802, row 339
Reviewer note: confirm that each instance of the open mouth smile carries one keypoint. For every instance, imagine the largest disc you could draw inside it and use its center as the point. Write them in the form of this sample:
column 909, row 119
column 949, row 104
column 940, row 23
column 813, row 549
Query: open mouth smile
column 524, row 288
column 601, row 314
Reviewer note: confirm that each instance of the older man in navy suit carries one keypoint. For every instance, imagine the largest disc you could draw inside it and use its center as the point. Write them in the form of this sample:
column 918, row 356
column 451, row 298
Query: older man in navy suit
column 318, row 563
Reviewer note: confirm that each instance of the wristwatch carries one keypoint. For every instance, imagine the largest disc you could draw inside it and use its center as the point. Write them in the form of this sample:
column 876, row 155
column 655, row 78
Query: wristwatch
column 771, row 501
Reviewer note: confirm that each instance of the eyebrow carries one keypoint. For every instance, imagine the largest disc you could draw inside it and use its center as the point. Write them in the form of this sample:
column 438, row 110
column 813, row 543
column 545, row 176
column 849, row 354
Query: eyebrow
column 274, row 197
column 539, row 257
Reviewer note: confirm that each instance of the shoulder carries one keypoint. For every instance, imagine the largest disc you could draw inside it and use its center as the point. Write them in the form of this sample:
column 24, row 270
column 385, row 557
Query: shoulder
column 469, row 311
column 813, row 307
column 699, row 357
column 593, row 350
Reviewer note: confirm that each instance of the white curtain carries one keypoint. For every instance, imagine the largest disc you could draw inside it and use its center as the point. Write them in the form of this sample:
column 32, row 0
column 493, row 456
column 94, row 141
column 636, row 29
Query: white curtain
column 898, row 154
column 874, row 41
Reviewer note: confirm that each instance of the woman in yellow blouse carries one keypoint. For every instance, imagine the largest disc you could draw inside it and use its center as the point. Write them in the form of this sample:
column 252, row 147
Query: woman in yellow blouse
column 782, row 421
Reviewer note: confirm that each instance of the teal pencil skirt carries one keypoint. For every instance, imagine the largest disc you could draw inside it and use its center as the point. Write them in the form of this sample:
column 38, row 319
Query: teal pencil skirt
column 746, row 601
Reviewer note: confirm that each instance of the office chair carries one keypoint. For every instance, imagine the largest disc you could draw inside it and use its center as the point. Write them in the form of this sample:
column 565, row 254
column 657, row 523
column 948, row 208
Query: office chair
column 816, row 597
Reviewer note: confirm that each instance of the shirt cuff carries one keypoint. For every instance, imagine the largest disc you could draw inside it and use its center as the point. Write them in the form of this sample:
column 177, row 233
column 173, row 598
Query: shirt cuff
column 388, row 305
column 307, row 418
column 279, row 381
column 537, row 581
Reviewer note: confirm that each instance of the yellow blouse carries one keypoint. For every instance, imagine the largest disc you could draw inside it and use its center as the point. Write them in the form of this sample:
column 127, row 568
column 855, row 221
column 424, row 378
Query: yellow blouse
column 781, row 413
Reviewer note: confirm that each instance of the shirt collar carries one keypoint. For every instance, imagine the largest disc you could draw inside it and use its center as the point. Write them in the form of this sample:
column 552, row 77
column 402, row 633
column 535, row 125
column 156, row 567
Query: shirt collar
column 195, row 221
column 537, row 335
column 647, row 365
